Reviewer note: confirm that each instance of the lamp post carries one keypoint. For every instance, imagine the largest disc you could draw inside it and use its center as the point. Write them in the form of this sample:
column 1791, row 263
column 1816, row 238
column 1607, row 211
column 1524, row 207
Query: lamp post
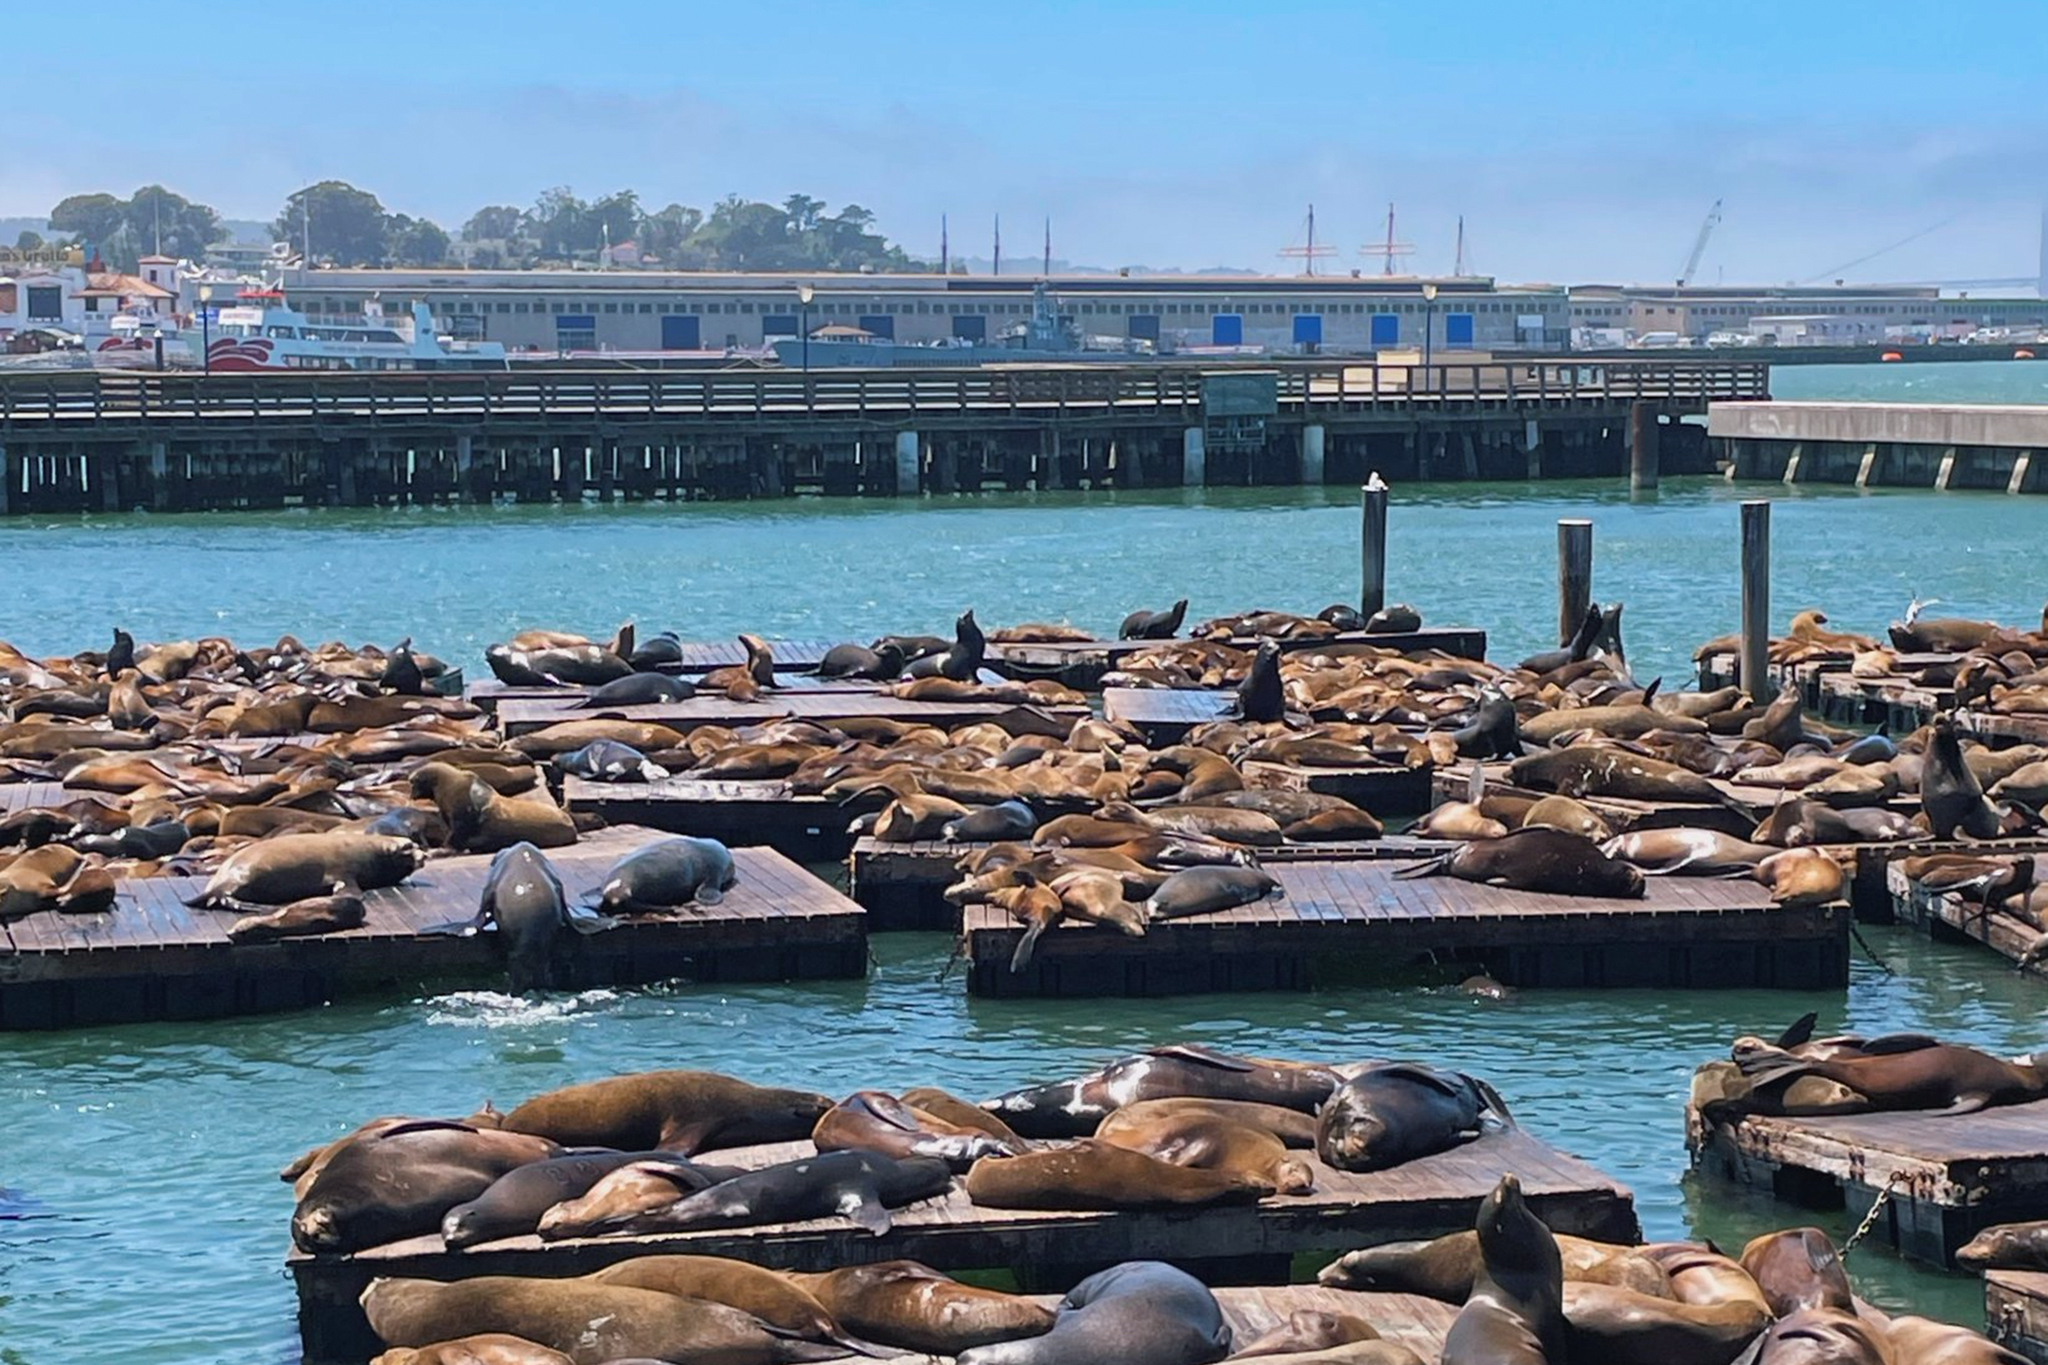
column 1428, row 324
column 206, row 328
column 804, row 295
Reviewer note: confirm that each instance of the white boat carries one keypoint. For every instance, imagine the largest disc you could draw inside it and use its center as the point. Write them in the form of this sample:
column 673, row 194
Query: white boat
column 261, row 333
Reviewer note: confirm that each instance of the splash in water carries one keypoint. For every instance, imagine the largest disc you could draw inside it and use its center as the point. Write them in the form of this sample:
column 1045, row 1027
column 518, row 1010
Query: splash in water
column 495, row 1009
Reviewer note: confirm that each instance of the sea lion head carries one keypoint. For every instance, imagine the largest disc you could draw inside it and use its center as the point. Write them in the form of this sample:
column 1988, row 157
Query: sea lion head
column 1997, row 1247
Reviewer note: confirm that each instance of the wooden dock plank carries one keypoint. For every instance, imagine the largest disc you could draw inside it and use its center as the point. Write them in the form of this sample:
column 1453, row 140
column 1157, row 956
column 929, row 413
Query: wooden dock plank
column 521, row 716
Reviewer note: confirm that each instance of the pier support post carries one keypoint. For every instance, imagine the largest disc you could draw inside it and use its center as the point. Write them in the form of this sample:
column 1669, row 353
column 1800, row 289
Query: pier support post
column 6, row 483
column 602, row 453
column 465, row 469
column 1574, row 576
column 1867, row 465
column 1532, row 449
column 1194, row 459
column 1373, row 545
column 1312, row 437
column 1947, row 470
column 159, row 476
column 1793, row 461
column 2020, row 465
column 906, row 464
column 1756, row 600
column 1642, row 448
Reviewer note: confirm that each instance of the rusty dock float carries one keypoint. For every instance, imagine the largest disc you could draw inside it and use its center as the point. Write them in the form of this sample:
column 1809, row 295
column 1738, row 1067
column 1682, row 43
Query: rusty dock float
column 153, row 957
column 1685, row 932
column 1944, row 1178
column 1243, row 1243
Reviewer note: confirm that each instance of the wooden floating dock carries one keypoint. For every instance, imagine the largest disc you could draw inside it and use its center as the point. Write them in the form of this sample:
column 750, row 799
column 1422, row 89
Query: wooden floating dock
column 1950, row 1176
column 902, row 886
column 809, row 829
column 1952, row 918
column 2016, row 1312
column 152, row 957
column 522, row 716
column 1049, row 1250
column 1685, row 932
column 1083, row 663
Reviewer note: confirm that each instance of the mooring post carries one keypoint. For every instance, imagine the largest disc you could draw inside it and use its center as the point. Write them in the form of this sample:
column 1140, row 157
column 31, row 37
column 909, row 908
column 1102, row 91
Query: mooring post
column 1574, row 576
column 1756, row 599
column 6, row 484
column 906, row 464
column 1312, row 437
column 1373, row 539
column 1642, row 448
column 1194, row 458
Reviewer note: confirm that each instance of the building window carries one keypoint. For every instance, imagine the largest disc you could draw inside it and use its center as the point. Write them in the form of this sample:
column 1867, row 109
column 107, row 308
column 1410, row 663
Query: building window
column 648, row 308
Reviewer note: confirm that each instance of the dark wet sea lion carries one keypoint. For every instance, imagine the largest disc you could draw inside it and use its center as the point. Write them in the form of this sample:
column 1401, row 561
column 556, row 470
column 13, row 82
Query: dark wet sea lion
column 1154, row 625
column 159, row 839
column 1137, row 1313
column 990, row 824
column 607, row 760
column 121, row 656
column 1515, row 1314
column 1686, row 852
column 401, row 1182
column 585, row 665
column 669, row 875
column 523, row 896
column 1494, row 730
column 874, row 1121
column 1205, row 890
column 513, row 1204
column 861, row 1186
column 963, row 658
column 671, row 1111
column 1950, row 794
column 1443, row 1268
column 655, row 651
column 482, row 821
column 915, row 1308
column 637, row 689
column 295, row 867
column 771, row 1297
column 1397, row 1111
column 484, row 1348
column 592, row 1323
column 1919, row 1074
column 1546, row 860
column 1821, row 1336
column 1606, row 1323
column 1074, row 1108
column 2007, row 1246
column 1260, row 698
column 1398, row 619
column 1308, row 1329
column 301, row 919
column 1798, row 1268
column 1092, row 1174
column 1574, row 649
column 883, row 663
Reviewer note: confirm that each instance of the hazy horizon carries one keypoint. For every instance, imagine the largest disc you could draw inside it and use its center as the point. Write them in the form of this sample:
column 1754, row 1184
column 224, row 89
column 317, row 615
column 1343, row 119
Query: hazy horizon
column 1579, row 146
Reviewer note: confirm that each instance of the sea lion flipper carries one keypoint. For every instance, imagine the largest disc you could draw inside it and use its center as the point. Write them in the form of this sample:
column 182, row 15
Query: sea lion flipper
column 1204, row 1056
column 585, row 920
column 1964, row 1104
column 1800, row 1031
column 709, row 895
column 1891, row 1044
column 865, row 1208
column 1027, row 945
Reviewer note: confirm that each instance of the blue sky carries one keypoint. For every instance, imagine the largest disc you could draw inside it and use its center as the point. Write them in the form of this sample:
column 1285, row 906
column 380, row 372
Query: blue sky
column 1581, row 141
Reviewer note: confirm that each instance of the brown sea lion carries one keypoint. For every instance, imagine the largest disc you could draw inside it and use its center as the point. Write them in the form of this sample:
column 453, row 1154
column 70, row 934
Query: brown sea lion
column 1610, row 1326
column 294, row 867
column 591, row 1323
column 1796, row 1269
column 569, row 735
column 1562, row 812
column 1458, row 820
column 1803, row 877
column 1092, row 1174
column 1308, row 1329
column 623, row 1193
column 1951, row 797
column 485, row 1348
column 1290, row 1126
column 1686, row 852
column 671, row 1111
column 2007, row 1246
column 1701, row 1275
column 1333, row 826
column 958, row 1112
column 1822, row 1336
column 516, row 1201
column 482, row 821
column 1599, row 770
column 875, row 1121
column 1515, row 1313
column 1073, row 1108
column 861, row 1186
column 1923, row 1341
column 1205, row 1142
column 1443, row 1268
column 1546, row 860
column 42, row 879
column 736, row 1284
column 400, row 1182
column 300, row 919
column 1914, row 1073
column 915, row 1308
column 917, row 815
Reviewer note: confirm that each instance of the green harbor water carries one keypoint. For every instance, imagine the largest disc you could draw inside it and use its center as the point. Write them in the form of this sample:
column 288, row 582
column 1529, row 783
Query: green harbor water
column 140, row 1216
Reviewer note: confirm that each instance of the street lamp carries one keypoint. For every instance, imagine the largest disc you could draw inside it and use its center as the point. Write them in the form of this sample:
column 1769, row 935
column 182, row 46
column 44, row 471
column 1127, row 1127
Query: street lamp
column 804, row 295
column 1428, row 323
column 205, row 328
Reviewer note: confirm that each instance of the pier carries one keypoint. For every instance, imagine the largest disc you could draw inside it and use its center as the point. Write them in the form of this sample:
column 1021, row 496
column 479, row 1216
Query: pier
column 92, row 441
column 1884, row 445
column 1944, row 1178
column 1949, row 917
column 153, row 957
column 1049, row 1250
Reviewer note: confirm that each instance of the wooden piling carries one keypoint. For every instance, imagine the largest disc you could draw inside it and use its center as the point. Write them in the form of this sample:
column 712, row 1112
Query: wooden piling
column 1642, row 448
column 1574, row 575
column 1756, row 599
column 1373, row 534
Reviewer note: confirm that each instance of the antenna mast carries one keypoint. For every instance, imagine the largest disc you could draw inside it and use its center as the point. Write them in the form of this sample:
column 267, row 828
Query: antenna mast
column 1048, row 247
column 1308, row 254
column 999, row 245
column 945, row 261
column 1458, row 265
column 1390, row 249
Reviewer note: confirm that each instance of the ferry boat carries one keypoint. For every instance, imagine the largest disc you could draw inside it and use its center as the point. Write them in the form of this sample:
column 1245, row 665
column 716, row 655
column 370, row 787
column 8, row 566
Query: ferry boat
column 1045, row 337
column 261, row 333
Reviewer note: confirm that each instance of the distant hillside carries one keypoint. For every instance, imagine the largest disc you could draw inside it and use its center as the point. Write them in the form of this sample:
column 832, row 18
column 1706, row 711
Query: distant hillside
column 237, row 229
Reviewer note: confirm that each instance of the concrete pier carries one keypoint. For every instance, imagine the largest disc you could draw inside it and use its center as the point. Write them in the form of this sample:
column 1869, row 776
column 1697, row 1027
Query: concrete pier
column 1881, row 445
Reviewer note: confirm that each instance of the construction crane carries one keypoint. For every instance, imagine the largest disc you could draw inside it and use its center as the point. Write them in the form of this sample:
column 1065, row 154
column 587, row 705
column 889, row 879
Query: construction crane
column 1699, row 244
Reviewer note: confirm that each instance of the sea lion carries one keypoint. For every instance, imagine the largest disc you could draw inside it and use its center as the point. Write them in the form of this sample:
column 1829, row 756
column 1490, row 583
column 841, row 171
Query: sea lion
column 607, row 760
column 513, row 1204
column 918, row 815
column 1606, row 1323
column 1154, row 625
column 737, row 1284
column 669, row 875
column 1574, row 649
column 1393, row 1112
column 1093, row 1174
column 1137, row 1313
column 584, row 665
column 1700, row 1275
column 636, row 689
column 963, row 658
column 591, row 1323
column 1803, row 877
column 1909, row 1072
column 1515, row 1314
column 1189, row 1137
column 1923, row 1341
column 1443, row 1267
column 958, row 1112
column 1687, row 852
column 158, row 839
column 2007, row 1246
column 875, row 1121
column 1291, row 1126
column 1333, row 826
column 1205, row 890
column 1562, row 812
column 1950, row 795
column 861, row 1186
column 625, row 1192
column 301, row 919
column 1798, row 822
column 482, row 821
column 883, row 663
column 1798, row 1269
column 1494, row 730
column 914, row 1308
column 989, row 824
column 40, row 879
column 565, row 735
column 1599, row 770
column 1074, row 1108
column 1260, row 697
column 400, row 1182
column 1546, row 860
column 296, row 867
column 1032, row 904
column 672, row 1111
column 1308, row 1329
column 484, row 1348
column 1821, row 1336
column 523, row 897
column 1398, row 619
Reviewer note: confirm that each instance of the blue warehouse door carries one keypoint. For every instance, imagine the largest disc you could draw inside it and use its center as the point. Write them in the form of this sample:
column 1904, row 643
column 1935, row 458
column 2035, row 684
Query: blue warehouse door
column 680, row 332
column 1386, row 329
column 776, row 325
column 1457, row 329
column 1308, row 329
column 1227, row 329
column 1144, row 327
column 970, row 327
column 878, row 324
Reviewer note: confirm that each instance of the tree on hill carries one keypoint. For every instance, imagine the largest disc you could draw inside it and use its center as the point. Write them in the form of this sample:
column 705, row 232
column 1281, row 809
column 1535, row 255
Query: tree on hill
column 151, row 221
column 341, row 224
column 415, row 241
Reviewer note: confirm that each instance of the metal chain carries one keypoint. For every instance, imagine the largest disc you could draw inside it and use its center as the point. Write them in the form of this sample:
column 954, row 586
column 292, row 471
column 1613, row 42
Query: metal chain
column 1869, row 951
column 1877, row 1207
